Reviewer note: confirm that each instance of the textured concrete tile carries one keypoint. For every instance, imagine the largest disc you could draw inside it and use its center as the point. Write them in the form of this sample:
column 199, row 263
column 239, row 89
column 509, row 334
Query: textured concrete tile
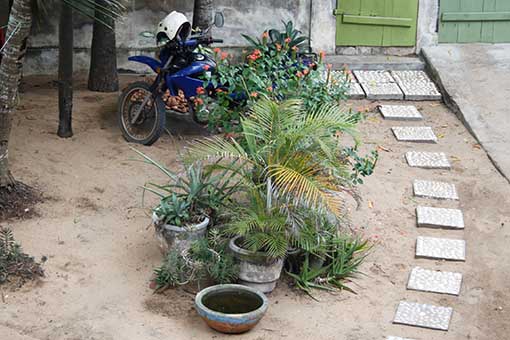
column 441, row 248
column 373, row 76
column 400, row 112
column 396, row 338
column 432, row 189
column 439, row 217
column 434, row 281
column 355, row 91
column 382, row 91
column 410, row 76
column 423, row 134
column 338, row 76
column 423, row 315
column 420, row 91
column 427, row 160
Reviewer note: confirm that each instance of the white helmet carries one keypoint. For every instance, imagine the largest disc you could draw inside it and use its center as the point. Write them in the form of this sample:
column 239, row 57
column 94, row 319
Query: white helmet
column 174, row 25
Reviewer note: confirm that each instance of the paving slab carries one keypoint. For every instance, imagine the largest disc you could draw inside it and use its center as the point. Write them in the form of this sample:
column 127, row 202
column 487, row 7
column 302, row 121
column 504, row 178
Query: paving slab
column 475, row 79
column 400, row 112
column 427, row 160
column 373, row 76
column 420, row 91
column 410, row 76
column 439, row 218
column 434, row 189
column 418, row 134
column 435, row 281
column 382, row 91
column 355, row 91
column 441, row 248
column 423, row 315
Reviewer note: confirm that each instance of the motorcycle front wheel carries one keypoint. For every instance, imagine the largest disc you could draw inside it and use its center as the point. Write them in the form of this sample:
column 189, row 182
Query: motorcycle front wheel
column 141, row 115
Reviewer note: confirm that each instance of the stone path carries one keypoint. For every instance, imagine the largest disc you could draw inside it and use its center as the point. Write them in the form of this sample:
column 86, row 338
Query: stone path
column 390, row 85
column 415, row 84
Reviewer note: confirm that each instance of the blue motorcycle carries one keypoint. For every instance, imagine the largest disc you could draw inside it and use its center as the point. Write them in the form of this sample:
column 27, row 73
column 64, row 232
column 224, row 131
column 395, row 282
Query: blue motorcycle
column 143, row 107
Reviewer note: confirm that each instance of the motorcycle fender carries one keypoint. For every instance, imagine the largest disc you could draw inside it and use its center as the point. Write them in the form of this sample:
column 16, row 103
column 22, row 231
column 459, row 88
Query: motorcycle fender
column 154, row 64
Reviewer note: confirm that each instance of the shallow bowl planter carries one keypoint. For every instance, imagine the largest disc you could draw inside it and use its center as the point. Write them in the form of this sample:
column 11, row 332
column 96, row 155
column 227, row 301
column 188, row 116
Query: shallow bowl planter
column 256, row 269
column 180, row 238
column 231, row 308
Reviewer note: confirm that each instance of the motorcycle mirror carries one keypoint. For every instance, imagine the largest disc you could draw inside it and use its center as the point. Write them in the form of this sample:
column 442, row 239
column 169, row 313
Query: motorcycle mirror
column 219, row 19
column 147, row 34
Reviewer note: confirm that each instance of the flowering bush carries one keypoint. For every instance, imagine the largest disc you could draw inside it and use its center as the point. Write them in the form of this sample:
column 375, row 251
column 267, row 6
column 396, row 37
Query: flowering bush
column 271, row 70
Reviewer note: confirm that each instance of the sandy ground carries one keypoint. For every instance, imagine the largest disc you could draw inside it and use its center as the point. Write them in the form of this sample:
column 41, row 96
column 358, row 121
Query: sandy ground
column 101, row 254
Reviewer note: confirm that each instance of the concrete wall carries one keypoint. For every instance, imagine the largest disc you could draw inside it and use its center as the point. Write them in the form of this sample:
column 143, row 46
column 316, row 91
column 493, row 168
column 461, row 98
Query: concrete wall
column 241, row 16
column 247, row 17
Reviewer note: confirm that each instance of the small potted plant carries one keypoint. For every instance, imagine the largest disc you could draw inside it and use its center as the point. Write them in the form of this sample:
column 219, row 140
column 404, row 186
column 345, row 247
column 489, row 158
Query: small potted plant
column 189, row 202
column 260, row 242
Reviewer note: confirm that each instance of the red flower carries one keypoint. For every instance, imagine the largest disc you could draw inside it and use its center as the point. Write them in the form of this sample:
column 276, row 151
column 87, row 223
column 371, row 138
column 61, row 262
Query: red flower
column 265, row 35
column 217, row 50
column 299, row 74
column 278, row 47
column 288, row 40
column 207, row 67
column 322, row 54
column 199, row 101
column 254, row 94
column 224, row 55
column 294, row 48
column 256, row 52
column 200, row 90
column 218, row 90
column 270, row 88
column 306, row 71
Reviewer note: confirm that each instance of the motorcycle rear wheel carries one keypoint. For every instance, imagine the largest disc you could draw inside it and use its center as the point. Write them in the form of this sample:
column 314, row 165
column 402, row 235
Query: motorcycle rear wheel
column 152, row 119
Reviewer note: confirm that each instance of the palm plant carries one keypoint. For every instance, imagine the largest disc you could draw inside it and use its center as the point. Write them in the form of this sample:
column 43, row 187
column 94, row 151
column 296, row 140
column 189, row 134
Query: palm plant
column 291, row 154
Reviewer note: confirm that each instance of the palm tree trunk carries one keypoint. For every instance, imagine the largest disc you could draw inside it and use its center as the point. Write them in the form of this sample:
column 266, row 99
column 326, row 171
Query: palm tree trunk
column 18, row 29
column 103, row 62
column 65, row 72
column 202, row 14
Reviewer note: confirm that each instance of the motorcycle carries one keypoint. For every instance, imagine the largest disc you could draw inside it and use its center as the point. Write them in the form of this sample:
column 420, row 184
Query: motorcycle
column 143, row 107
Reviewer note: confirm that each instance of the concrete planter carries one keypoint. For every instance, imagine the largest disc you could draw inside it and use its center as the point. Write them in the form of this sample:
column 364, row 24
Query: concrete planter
column 180, row 238
column 256, row 269
column 231, row 308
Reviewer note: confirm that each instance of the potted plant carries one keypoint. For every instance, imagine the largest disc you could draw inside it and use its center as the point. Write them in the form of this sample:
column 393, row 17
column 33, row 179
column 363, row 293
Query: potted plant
column 189, row 202
column 260, row 239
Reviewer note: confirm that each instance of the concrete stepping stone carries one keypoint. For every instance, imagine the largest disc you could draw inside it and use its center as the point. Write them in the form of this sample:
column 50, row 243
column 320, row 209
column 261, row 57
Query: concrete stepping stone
column 396, row 338
column 416, row 85
column 400, row 112
column 382, row 91
column 355, row 91
column 427, row 160
column 423, row 315
column 441, row 248
column 439, row 218
column 420, row 91
column 419, row 134
column 376, row 76
column 432, row 189
column 401, row 76
column 434, row 281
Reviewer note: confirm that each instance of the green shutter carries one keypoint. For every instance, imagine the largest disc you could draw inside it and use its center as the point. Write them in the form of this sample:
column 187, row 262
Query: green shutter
column 466, row 21
column 376, row 22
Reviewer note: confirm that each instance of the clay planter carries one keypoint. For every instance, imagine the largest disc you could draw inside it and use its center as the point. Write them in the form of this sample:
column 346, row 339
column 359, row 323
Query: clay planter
column 180, row 238
column 231, row 308
column 256, row 269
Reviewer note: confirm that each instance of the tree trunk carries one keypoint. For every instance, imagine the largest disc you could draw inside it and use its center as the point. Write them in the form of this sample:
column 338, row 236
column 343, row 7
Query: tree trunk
column 202, row 14
column 20, row 20
column 65, row 71
column 103, row 62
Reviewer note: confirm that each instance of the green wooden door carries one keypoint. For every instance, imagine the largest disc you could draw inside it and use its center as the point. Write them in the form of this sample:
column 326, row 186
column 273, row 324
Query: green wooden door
column 376, row 22
column 467, row 21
